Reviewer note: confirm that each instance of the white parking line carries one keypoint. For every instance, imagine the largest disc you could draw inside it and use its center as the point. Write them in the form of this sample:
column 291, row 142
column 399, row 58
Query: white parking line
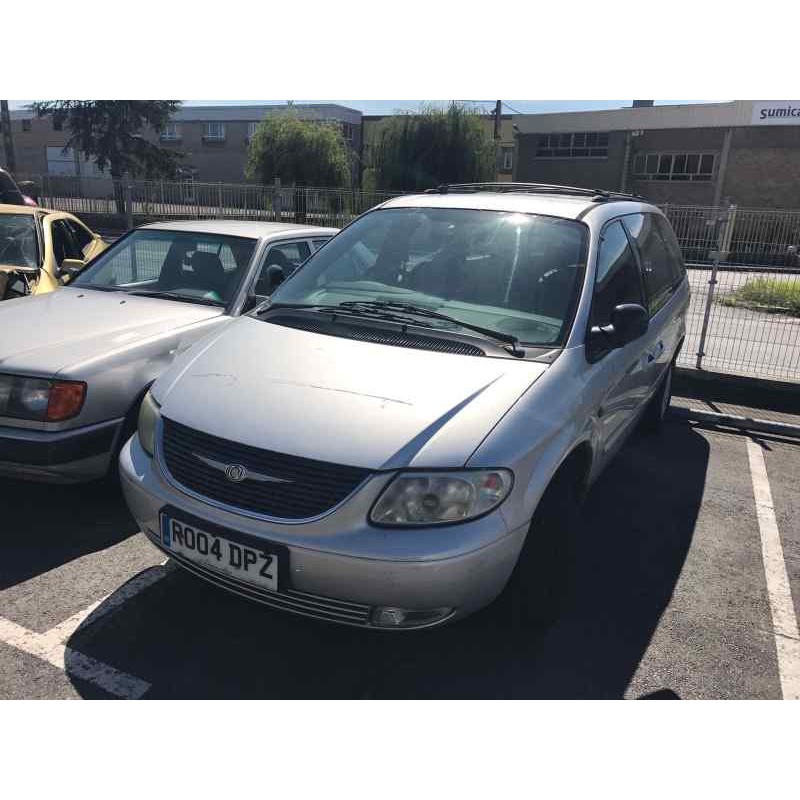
column 784, row 620
column 50, row 646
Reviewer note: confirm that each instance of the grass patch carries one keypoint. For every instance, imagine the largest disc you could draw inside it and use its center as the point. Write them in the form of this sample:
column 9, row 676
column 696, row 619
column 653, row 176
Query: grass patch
column 767, row 294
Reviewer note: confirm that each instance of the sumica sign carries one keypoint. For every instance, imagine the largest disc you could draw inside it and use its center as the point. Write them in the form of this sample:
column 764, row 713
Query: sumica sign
column 776, row 112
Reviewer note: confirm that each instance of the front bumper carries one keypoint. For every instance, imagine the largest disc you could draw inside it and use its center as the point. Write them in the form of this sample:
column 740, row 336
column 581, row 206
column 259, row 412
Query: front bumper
column 343, row 575
column 69, row 456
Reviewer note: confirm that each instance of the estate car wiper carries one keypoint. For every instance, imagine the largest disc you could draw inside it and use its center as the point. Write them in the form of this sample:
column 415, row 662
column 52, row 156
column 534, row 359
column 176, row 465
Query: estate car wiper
column 420, row 311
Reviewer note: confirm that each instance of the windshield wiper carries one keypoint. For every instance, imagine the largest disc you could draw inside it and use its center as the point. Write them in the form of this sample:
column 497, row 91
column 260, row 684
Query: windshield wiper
column 175, row 296
column 409, row 308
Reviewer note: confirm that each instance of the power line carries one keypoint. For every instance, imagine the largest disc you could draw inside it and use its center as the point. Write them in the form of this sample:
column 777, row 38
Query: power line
column 514, row 110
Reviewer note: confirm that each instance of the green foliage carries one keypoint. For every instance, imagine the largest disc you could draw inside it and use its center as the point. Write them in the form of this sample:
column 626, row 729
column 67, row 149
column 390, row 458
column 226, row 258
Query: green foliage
column 299, row 151
column 110, row 131
column 767, row 294
column 419, row 150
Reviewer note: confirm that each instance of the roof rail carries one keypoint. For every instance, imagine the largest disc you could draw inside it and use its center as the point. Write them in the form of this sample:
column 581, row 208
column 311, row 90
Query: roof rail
column 596, row 195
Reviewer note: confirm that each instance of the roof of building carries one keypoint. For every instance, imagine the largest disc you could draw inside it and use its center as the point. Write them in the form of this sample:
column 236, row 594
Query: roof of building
column 243, row 113
column 249, row 228
column 692, row 115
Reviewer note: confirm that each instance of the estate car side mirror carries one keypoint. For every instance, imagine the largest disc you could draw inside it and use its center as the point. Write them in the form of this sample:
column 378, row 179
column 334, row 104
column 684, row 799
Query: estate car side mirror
column 70, row 267
column 629, row 321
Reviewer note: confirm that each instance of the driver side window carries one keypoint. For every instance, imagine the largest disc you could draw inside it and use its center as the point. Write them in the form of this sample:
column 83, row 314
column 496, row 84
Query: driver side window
column 618, row 279
column 64, row 245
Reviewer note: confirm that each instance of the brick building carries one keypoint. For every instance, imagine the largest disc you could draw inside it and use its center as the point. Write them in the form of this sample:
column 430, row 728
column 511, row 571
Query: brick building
column 745, row 152
column 214, row 140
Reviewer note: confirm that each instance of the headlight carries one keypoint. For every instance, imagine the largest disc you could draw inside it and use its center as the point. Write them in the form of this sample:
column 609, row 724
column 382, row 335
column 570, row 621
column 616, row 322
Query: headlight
column 441, row 498
column 40, row 399
column 148, row 418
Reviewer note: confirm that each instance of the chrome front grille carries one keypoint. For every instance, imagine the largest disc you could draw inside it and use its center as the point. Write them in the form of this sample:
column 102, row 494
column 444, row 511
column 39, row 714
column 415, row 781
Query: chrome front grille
column 298, row 488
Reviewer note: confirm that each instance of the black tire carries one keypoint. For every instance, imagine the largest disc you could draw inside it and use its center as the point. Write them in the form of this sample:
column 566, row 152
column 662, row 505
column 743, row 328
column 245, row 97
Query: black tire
column 536, row 590
column 656, row 411
column 129, row 426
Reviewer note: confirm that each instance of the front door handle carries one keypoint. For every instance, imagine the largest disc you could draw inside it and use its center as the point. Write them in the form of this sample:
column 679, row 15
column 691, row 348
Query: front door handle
column 655, row 352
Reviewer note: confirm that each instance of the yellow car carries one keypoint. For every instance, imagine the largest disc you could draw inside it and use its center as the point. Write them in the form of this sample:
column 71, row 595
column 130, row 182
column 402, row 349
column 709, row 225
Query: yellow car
column 41, row 249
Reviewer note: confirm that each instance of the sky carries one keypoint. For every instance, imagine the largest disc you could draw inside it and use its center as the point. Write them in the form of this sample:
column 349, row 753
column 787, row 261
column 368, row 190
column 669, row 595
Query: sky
column 388, row 106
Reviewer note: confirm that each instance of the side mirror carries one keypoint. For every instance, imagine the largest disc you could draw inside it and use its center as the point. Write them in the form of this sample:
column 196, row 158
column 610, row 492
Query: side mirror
column 70, row 267
column 629, row 321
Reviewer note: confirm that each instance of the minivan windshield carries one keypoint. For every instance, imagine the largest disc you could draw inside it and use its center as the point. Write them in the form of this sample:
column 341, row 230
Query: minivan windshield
column 516, row 274
column 176, row 265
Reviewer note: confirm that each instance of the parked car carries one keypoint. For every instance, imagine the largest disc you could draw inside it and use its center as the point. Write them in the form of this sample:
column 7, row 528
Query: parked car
column 41, row 249
column 411, row 422
column 10, row 192
column 75, row 363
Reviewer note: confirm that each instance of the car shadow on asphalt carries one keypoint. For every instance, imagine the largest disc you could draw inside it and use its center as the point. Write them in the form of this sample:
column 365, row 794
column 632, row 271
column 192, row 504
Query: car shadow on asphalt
column 189, row 639
column 44, row 526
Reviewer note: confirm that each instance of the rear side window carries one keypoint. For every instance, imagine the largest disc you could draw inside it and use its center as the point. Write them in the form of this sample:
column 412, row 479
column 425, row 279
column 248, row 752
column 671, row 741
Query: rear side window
column 661, row 274
column 618, row 279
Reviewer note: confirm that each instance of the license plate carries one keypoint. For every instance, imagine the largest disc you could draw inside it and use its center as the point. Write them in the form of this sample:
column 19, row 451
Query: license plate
column 254, row 565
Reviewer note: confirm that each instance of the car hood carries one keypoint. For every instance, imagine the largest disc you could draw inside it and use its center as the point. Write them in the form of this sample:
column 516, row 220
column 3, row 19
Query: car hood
column 44, row 334
column 340, row 400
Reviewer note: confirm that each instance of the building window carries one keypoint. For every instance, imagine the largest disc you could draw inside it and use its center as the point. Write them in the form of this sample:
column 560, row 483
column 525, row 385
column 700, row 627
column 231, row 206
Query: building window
column 171, row 132
column 508, row 159
column 214, row 131
column 347, row 131
column 251, row 129
column 26, row 125
column 572, row 145
column 674, row 166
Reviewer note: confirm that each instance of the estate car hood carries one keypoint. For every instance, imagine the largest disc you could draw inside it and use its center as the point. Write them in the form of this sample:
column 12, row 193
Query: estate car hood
column 340, row 400
column 44, row 334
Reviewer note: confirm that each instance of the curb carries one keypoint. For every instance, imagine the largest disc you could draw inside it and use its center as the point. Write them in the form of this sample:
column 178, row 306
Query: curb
column 732, row 421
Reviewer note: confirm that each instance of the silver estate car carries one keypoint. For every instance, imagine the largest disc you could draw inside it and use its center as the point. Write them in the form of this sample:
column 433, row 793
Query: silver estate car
column 407, row 427
column 76, row 362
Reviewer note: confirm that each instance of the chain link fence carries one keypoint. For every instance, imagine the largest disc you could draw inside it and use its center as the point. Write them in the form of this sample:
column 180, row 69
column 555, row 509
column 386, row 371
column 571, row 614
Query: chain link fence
column 743, row 263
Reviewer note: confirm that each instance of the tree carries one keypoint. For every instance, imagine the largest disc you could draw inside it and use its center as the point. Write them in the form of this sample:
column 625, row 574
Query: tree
column 300, row 152
column 421, row 149
column 110, row 131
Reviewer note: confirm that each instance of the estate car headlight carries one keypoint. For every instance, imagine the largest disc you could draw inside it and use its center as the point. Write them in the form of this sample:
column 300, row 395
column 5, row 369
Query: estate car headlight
column 441, row 498
column 149, row 415
column 40, row 399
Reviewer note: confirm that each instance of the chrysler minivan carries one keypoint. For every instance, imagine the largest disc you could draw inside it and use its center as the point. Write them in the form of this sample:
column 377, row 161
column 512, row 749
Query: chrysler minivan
column 405, row 429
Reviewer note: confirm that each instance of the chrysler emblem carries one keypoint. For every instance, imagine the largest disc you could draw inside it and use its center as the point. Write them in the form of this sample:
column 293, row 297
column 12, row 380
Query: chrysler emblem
column 236, row 473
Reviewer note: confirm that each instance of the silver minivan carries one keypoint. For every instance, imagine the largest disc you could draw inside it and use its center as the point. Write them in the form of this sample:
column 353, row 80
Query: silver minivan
column 405, row 430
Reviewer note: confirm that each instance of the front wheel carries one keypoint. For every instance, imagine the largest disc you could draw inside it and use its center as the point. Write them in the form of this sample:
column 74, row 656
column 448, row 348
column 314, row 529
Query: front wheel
column 537, row 587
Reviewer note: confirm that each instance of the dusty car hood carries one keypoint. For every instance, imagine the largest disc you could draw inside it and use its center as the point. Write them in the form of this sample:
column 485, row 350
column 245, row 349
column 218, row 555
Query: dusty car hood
column 44, row 334
column 340, row 400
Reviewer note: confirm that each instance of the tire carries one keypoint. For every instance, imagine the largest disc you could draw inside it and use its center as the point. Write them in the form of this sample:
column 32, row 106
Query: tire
column 535, row 592
column 129, row 426
column 656, row 411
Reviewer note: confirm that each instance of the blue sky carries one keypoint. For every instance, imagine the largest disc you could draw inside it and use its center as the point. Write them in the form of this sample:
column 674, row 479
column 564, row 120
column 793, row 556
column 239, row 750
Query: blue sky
column 387, row 106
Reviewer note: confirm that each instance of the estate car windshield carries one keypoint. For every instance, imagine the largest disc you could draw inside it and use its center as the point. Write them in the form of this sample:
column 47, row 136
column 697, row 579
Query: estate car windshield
column 515, row 274
column 178, row 265
column 19, row 245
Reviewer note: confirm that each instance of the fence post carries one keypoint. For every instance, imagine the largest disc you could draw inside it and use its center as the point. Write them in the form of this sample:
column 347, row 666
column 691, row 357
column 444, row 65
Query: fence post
column 128, row 206
column 219, row 190
column 712, row 282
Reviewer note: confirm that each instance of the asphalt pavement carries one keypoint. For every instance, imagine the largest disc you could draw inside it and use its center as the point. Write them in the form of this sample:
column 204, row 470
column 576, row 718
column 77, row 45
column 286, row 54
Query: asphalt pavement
column 674, row 595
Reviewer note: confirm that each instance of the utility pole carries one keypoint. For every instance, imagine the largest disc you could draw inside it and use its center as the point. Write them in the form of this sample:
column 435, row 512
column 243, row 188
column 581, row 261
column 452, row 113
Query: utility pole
column 8, row 142
column 497, row 154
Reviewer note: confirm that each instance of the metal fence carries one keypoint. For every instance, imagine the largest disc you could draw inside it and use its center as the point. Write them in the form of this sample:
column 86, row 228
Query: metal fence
column 743, row 264
column 139, row 201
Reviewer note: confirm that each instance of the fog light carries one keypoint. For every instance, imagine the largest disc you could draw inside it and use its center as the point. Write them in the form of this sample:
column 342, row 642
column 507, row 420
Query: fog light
column 391, row 617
